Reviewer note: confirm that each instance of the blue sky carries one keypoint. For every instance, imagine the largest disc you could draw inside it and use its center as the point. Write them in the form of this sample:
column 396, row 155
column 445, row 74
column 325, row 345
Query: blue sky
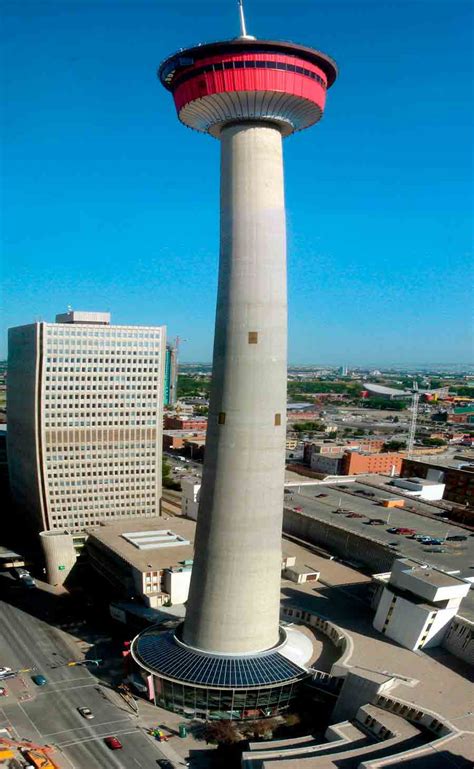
column 110, row 204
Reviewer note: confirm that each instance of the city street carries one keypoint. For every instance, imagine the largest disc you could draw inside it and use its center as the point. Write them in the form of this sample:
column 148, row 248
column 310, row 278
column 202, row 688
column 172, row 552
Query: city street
column 49, row 715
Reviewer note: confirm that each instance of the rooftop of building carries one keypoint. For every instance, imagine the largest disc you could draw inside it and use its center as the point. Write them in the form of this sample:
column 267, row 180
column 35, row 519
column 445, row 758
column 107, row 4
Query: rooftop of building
column 430, row 574
column 79, row 316
column 182, row 433
column 421, row 481
column 157, row 550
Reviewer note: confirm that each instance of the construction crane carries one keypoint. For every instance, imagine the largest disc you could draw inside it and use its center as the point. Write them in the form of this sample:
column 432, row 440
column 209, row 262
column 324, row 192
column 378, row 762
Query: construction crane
column 38, row 756
column 414, row 415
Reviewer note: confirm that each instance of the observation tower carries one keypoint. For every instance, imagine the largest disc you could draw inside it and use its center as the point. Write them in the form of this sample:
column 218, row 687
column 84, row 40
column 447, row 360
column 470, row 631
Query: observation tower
column 231, row 654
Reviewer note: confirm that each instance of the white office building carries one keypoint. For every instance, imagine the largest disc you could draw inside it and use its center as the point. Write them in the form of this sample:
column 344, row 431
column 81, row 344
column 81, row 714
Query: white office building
column 190, row 497
column 85, row 420
column 416, row 603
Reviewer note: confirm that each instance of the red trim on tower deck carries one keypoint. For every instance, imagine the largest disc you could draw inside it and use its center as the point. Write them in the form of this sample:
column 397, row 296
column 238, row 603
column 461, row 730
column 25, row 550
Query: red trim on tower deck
column 280, row 81
column 248, row 57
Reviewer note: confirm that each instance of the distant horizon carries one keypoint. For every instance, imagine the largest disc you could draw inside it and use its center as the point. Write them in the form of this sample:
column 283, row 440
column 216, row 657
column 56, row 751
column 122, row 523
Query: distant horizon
column 387, row 367
column 372, row 365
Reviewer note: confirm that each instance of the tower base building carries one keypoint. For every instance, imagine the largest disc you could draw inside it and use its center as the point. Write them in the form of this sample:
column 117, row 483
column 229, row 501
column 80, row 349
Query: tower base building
column 202, row 685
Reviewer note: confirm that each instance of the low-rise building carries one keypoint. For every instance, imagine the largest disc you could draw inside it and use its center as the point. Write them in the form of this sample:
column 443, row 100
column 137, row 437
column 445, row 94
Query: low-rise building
column 195, row 447
column 415, row 603
column 190, row 497
column 149, row 560
column 356, row 463
column 463, row 415
column 420, row 487
column 300, row 574
column 330, row 465
column 368, row 445
column 175, row 422
column 176, row 440
column 459, row 483
column 302, row 416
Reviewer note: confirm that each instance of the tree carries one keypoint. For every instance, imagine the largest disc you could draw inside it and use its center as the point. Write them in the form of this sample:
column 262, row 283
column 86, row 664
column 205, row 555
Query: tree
column 193, row 386
column 261, row 728
column 167, row 479
column 222, row 732
column 394, row 446
column 433, row 442
column 308, row 427
column 381, row 403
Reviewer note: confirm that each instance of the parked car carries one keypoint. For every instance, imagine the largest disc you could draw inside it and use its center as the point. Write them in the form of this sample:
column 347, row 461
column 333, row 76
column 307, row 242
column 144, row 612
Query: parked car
column 28, row 581
column 435, row 550
column 298, row 509
column 113, row 743
column 39, row 680
column 376, row 522
column 320, row 495
column 410, row 533
column 3, row 691
column 354, row 515
column 4, row 671
column 164, row 763
column 456, row 538
column 86, row 713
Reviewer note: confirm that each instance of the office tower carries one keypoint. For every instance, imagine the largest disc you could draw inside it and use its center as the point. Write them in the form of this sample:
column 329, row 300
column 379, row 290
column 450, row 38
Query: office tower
column 84, row 420
column 231, row 653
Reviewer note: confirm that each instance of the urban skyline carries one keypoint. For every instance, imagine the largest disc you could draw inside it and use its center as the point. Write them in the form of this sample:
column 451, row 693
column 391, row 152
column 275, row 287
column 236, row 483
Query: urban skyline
column 249, row 562
column 391, row 245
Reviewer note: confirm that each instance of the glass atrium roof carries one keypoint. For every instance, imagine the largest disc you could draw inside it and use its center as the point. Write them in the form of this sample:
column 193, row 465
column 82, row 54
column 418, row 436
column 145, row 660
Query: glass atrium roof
column 161, row 653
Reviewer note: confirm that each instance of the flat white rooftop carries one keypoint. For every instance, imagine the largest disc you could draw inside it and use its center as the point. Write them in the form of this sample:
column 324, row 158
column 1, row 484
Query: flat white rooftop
column 152, row 540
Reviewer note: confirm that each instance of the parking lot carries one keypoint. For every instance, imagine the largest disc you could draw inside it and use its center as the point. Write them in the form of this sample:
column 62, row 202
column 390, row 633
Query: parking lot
column 322, row 502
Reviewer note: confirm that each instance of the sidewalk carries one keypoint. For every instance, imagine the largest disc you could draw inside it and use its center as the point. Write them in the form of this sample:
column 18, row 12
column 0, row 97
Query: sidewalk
column 178, row 748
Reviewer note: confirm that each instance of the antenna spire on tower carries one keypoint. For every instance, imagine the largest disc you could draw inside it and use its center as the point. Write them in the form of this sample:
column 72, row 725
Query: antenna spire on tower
column 243, row 27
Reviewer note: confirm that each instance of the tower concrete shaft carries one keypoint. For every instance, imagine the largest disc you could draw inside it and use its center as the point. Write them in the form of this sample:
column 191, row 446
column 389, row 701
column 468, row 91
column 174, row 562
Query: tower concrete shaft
column 234, row 598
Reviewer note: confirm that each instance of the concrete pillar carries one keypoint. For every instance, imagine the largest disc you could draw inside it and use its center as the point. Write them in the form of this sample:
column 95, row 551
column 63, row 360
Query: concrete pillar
column 59, row 554
column 234, row 598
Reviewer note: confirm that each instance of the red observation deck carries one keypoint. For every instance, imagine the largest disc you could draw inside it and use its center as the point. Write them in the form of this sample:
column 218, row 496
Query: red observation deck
column 248, row 79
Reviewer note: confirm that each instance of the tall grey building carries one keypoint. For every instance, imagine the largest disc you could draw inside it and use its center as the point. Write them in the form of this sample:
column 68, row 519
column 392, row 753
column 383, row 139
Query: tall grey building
column 85, row 420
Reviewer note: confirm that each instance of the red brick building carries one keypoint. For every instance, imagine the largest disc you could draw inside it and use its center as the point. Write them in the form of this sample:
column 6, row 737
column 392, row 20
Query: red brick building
column 171, row 422
column 174, row 441
column 369, row 445
column 355, row 463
